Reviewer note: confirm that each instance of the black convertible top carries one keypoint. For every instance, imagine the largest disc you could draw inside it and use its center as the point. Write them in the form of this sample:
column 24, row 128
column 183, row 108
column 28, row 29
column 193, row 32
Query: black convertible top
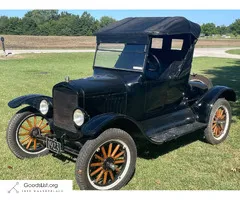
column 138, row 29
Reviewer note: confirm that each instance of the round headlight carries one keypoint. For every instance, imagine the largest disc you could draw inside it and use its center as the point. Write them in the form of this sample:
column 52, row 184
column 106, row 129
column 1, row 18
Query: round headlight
column 78, row 117
column 44, row 107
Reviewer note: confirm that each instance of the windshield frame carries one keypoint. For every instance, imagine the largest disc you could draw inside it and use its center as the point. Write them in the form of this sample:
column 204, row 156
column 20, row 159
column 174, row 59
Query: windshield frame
column 145, row 52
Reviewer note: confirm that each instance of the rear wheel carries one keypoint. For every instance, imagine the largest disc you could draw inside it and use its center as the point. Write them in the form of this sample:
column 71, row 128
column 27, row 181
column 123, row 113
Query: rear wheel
column 201, row 79
column 22, row 132
column 219, row 122
column 107, row 162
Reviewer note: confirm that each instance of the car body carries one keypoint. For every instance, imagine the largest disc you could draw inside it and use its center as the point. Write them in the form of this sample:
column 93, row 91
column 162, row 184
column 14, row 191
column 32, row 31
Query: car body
column 143, row 90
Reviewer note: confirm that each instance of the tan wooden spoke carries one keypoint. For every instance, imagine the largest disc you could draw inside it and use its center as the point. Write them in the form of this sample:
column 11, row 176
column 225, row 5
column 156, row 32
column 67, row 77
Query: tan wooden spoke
column 99, row 175
column 35, row 144
column 119, row 161
column 23, row 134
column 35, row 121
column 115, row 150
column 223, row 116
column 105, row 177
column 44, row 126
column 214, row 125
column 46, row 131
column 40, row 123
column 104, row 152
column 96, row 164
column 29, row 123
column 29, row 143
column 109, row 149
column 26, row 139
column 118, row 155
column 111, row 175
column 26, row 128
column 99, row 157
column 96, row 171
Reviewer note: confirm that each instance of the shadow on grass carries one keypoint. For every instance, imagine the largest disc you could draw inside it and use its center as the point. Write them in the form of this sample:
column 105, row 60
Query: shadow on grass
column 148, row 150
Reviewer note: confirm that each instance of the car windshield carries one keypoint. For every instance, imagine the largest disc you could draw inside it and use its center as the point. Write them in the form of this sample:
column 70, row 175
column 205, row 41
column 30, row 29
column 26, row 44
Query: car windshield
column 120, row 56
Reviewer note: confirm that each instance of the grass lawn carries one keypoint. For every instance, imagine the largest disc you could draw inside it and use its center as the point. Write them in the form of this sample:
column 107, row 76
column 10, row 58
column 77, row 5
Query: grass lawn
column 187, row 163
column 234, row 51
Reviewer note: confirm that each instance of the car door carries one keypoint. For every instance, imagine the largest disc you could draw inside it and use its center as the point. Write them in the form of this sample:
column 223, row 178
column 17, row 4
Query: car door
column 155, row 97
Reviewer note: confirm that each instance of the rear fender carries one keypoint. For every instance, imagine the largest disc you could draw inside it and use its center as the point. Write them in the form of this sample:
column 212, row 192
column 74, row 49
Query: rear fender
column 204, row 105
column 98, row 124
column 32, row 100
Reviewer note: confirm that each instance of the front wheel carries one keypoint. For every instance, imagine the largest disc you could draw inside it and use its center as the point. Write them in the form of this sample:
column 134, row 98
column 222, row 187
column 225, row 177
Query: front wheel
column 107, row 162
column 22, row 132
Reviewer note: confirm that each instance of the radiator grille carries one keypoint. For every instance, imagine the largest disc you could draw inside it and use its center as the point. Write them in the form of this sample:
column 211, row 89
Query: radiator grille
column 64, row 103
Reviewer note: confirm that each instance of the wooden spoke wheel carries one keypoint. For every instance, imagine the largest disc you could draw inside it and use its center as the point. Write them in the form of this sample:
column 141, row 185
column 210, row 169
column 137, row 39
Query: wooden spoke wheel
column 107, row 162
column 23, row 133
column 28, row 131
column 219, row 122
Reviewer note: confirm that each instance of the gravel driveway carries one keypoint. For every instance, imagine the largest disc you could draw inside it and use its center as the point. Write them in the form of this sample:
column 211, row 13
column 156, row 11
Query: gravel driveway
column 209, row 52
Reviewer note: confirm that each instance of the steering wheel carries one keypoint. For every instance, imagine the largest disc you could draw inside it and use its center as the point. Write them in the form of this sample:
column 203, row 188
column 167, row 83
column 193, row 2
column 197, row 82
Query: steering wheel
column 153, row 63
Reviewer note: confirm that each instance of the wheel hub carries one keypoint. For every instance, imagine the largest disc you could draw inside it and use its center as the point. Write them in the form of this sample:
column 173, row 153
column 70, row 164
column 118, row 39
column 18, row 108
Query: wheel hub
column 109, row 164
column 35, row 132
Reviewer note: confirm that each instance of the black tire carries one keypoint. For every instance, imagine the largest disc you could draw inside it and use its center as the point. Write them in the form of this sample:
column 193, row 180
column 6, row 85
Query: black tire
column 218, row 129
column 202, row 79
column 12, row 137
column 88, row 152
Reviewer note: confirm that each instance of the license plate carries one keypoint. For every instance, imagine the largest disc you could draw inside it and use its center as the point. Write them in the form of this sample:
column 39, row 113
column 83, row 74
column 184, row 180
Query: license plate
column 53, row 145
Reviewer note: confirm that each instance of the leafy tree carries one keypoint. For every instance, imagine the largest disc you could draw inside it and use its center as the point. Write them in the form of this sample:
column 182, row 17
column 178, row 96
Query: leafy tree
column 4, row 22
column 222, row 30
column 235, row 27
column 208, row 29
column 105, row 20
column 41, row 16
column 29, row 26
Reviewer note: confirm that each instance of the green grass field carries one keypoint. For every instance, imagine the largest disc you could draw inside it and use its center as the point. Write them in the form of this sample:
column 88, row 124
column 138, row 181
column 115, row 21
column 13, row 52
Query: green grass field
column 234, row 51
column 184, row 164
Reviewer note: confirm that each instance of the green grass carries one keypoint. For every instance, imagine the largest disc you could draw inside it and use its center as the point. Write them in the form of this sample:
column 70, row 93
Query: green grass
column 187, row 163
column 234, row 51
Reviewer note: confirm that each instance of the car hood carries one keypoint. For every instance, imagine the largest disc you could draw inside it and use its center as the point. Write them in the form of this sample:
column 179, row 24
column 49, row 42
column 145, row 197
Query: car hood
column 98, row 85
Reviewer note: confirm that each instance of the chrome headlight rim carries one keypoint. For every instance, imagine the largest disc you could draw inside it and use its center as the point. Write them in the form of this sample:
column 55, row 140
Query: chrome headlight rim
column 78, row 117
column 44, row 107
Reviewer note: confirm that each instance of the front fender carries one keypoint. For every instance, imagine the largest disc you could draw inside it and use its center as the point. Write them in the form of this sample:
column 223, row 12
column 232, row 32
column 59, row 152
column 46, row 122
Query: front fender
column 203, row 106
column 32, row 99
column 99, row 123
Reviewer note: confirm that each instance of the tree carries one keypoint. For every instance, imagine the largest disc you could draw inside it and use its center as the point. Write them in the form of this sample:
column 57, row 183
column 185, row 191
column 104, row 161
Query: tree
column 41, row 16
column 222, row 30
column 4, row 22
column 235, row 27
column 208, row 29
column 105, row 20
column 87, row 24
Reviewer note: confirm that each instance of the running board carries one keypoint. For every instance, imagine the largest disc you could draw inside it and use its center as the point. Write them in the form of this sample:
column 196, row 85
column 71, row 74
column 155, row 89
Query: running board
column 175, row 132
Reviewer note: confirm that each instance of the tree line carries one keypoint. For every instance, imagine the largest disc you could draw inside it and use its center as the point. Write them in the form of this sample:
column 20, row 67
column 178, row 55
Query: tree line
column 209, row 29
column 53, row 22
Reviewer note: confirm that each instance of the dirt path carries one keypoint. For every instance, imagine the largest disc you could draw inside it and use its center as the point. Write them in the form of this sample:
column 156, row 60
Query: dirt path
column 209, row 52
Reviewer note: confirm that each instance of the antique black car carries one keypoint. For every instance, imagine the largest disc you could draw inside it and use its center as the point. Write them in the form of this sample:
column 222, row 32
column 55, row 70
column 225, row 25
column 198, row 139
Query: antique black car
column 141, row 90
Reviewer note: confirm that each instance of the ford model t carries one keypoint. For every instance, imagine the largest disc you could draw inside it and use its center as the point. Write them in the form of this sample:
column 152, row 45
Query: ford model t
column 140, row 90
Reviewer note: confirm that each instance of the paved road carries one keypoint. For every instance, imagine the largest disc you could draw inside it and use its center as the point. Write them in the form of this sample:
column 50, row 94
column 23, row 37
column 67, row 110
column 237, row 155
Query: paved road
column 209, row 52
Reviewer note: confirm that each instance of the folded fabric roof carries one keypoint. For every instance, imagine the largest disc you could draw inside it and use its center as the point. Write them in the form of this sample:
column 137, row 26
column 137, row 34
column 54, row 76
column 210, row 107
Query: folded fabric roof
column 138, row 29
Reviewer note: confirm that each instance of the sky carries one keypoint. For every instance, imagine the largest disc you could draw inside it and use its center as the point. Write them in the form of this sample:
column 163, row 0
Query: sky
column 219, row 17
